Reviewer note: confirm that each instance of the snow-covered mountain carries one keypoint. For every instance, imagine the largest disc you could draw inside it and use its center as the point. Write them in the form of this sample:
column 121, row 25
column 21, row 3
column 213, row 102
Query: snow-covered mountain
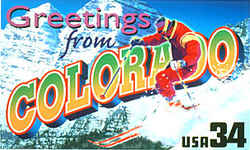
column 26, row 53
column 30, row 52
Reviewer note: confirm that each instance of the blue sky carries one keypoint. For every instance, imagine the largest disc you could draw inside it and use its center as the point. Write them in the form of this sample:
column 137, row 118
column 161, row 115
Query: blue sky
column 201, row 15
column 204, row 15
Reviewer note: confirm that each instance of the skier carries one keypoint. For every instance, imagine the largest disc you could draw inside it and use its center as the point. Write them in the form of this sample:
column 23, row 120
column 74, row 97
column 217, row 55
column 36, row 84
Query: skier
column 185, row 51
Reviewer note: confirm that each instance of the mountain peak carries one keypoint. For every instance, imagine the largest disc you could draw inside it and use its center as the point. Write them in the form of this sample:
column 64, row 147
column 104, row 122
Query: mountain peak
column 46, row 8
column 45, row 5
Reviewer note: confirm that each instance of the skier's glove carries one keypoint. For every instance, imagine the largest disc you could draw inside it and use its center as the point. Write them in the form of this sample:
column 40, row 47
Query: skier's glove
column 177, row 64
column 136, row 41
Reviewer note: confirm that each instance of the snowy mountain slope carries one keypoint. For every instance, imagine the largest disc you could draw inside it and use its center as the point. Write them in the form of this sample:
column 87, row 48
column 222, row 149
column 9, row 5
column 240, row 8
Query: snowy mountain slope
column 226, row 101
column 26, row 53
column 30, row 52
column 219, row 102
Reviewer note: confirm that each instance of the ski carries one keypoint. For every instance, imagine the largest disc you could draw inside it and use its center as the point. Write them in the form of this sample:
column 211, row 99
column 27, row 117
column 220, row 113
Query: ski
column 114, row 137
column 190, row 107
column 117, row 141
column 180, row 105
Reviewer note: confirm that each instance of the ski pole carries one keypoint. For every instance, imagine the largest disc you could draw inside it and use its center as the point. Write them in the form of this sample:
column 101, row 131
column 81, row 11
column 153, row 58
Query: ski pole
column 186, row 90
column 116, row 73
column 184, row 85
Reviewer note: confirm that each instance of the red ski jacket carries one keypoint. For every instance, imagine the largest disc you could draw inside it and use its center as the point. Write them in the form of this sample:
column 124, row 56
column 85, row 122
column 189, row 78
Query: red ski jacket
column 185, row 45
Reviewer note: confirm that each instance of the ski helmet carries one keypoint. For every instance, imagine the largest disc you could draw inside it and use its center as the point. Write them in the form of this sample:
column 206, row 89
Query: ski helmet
column 165, row 26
